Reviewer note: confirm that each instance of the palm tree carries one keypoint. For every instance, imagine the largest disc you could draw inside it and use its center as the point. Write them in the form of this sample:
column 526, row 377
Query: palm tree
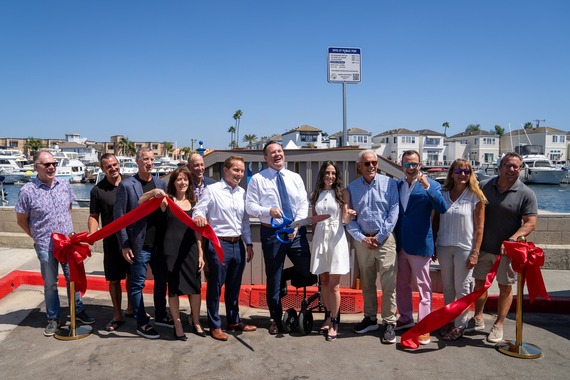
column 473, row 128
column 232, row 132
column 445, row 126
column 249, row 139
column 237, row 116
column 498, row 130
column 34, row 145
column 185, row 152
column 126, row 147
column 167, row 148
column 528, row 125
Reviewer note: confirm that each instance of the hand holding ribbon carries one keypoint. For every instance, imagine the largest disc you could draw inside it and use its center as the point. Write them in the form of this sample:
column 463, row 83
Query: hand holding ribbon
column 73, row 251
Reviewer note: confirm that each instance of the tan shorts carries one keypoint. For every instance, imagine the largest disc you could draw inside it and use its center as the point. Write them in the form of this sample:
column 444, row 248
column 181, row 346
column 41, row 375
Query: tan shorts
column 505, row 273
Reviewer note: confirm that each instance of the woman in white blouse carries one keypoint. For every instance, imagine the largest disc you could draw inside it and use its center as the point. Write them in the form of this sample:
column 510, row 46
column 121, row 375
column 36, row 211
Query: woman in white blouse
column 459, row 234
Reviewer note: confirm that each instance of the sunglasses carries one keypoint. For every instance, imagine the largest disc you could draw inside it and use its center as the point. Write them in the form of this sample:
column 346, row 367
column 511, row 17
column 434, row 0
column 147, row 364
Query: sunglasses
column 368, row 163
column 512, row 166
column 414, row 165
column 48, row 164
column 464, row 171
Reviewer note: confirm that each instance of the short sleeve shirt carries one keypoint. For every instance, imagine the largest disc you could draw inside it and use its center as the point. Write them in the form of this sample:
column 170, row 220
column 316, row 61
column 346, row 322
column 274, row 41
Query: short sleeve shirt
column 47, row 208
column 504, row 213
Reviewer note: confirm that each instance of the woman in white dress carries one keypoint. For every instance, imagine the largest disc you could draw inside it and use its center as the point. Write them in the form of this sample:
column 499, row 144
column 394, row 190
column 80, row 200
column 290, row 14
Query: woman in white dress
column 458, row 235
column 330, row 256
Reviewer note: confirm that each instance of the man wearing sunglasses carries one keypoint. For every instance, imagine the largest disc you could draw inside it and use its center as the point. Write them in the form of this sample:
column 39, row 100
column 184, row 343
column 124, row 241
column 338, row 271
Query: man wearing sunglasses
column 44, row 207
column 419, row 197
column 374, row 197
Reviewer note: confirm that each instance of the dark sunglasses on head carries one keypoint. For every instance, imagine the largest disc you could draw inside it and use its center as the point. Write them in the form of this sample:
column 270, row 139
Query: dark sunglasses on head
column 48, row 164
column 368, row 163
column 412, row 164
column 464, row 171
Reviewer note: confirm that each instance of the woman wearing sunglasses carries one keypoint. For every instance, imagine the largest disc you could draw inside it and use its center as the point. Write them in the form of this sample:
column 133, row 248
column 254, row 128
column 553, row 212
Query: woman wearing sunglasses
column 459, row 234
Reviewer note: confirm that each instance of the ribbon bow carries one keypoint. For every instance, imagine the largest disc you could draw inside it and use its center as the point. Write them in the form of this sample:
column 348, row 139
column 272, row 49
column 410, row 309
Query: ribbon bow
column 73, row 252
column 526, row 259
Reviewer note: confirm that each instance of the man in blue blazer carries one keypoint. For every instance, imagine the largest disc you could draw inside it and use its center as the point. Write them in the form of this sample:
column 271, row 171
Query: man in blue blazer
column 419, row 197
column 141, row 242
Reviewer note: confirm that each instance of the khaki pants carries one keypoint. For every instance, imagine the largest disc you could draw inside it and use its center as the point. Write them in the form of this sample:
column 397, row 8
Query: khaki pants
column 371, row 262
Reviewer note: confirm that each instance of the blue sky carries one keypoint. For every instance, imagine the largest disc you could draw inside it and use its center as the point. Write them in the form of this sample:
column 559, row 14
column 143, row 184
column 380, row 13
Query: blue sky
column 177, row 70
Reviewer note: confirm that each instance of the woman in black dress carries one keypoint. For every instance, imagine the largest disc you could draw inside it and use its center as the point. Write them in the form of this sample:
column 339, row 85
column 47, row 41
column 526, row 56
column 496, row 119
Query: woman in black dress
column 184, row 257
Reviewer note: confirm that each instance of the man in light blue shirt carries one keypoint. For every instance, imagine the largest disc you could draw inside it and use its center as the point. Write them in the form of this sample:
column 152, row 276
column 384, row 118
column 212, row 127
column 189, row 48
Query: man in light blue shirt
column 374, row 197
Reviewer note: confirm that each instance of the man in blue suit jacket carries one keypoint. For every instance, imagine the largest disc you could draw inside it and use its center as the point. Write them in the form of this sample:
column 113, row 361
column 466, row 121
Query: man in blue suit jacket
column 141, row 241
column 419, row 197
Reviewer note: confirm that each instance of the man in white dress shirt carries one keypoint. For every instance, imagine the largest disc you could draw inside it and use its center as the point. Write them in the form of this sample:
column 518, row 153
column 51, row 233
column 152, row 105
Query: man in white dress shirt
column 222, row 204
column 264, row 201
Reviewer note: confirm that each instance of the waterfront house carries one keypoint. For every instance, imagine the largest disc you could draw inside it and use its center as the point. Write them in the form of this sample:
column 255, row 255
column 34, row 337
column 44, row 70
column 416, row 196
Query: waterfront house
column 479, row 147
column 552, row 140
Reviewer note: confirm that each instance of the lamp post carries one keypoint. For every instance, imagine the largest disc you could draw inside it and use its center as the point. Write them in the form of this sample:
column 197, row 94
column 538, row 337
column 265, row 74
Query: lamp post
column 193, row 141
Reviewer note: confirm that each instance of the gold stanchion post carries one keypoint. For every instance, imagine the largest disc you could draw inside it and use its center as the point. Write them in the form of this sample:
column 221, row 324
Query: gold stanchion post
column 72, row 332
column 518, row 348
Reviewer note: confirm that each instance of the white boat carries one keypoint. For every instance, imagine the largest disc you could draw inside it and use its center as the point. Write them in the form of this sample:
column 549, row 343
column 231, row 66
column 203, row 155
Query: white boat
column 537, row 168
column 10, row 170
column 69, row 166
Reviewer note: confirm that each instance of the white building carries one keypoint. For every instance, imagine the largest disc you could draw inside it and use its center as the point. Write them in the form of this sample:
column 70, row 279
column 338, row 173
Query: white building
column 431, row 147
column 355, row 136
column 391, row 144
column 553, row 141
column 480, row 147
column 304, row 136
column 74, row 143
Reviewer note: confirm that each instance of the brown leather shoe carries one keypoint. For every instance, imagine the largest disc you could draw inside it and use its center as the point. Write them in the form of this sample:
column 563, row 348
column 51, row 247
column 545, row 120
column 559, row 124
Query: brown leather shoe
column 241, row 327
column 218, row 334
column 273, row 329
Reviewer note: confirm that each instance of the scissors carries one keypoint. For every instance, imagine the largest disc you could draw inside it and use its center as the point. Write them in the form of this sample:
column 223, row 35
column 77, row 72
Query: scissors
column 287, row 225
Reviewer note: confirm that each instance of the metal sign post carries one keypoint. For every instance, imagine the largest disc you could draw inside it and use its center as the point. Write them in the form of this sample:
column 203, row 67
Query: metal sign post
column 344, row 66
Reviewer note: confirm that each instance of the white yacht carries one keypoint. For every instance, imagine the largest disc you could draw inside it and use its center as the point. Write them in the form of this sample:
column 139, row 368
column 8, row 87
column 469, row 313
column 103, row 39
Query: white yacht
column 10, row 170
column 537, row 168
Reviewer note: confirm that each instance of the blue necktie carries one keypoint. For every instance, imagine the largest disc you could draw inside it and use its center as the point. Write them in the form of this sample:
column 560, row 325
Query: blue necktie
column 283, row 196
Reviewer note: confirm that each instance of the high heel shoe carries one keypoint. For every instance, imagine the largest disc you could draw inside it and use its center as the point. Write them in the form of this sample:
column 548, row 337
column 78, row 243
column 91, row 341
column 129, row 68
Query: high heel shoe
column 330, row 337
column 199, row 333
column 182, row 337
column 323, row 330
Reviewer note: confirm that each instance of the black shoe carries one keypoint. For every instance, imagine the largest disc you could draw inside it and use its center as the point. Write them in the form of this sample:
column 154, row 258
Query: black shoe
column 164, row 322
column 147, row 331
column 84, row 318
column 182, row 337
column 195, row 330
column 389, row 334
column 366, row 325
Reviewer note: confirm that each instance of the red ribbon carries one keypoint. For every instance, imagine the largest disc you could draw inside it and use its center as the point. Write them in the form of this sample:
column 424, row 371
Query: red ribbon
column 526, row 259
column 446, row 314
column 73, row 251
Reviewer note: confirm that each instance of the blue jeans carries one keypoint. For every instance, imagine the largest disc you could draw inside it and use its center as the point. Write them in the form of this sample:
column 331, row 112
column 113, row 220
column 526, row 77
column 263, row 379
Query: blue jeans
column 49, row 268
column 138, row 278
column 230, row 273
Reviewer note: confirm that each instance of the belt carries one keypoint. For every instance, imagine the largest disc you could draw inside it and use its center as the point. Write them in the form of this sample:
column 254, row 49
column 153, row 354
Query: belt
column 230, row 239
column 372, row 234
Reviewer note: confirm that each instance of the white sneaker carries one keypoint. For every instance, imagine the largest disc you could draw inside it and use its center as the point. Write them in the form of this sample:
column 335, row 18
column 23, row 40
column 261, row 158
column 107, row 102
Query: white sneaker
column 495, row 335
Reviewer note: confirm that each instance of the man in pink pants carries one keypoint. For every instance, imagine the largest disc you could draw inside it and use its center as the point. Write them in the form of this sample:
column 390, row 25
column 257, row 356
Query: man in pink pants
column 419, row 196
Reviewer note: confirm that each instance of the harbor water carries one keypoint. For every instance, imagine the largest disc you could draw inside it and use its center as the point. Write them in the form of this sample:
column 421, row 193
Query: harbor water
column 551, row 198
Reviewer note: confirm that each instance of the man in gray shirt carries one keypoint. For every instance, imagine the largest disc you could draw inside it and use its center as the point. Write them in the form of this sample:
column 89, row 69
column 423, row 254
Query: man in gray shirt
column 511, row 213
